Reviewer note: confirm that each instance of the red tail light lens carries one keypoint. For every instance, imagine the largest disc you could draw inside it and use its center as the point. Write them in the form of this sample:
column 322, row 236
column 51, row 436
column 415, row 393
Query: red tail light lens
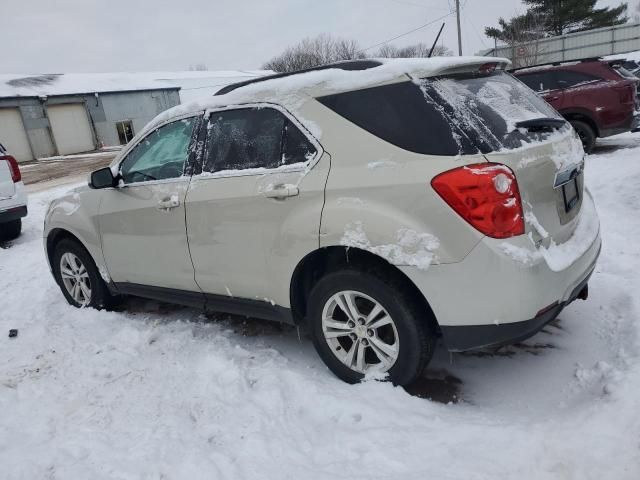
column 16, row 176
column 486, row 195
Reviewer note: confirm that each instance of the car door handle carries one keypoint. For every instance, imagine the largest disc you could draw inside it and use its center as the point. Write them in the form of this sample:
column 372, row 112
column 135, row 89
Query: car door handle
column 168, row 203
column 281, row 191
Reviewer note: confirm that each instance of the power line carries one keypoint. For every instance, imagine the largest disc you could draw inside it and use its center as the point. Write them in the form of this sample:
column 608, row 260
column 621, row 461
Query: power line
column 407, row 33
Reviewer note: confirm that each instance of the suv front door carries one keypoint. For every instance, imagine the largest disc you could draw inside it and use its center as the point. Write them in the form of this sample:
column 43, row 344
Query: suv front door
column 142, row 221
column 256, row 207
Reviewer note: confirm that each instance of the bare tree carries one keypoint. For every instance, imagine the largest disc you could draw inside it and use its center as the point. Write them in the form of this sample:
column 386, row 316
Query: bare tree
column 198, row 67
column 311, row 52
column 412, row 51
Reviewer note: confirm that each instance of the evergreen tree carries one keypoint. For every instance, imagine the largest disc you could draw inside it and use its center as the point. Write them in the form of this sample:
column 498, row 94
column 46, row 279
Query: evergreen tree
column 560, row 17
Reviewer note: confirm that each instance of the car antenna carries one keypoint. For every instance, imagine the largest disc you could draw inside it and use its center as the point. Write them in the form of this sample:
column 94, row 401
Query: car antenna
column 435, row 41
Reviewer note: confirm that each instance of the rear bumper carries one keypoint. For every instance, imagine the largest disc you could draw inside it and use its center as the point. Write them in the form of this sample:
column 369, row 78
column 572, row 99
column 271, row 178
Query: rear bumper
column 463, row 338
column 482, row 300
column 13, row 214
column 14, row 207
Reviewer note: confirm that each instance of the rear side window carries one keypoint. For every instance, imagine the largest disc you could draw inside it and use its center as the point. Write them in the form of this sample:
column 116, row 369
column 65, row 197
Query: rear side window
column 568, row 79
column 253, row 138
column 398, row 114
column 445, row 115
column 539, row 81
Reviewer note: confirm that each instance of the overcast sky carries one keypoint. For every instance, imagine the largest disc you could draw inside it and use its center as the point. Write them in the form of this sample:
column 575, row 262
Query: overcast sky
column 56, row 36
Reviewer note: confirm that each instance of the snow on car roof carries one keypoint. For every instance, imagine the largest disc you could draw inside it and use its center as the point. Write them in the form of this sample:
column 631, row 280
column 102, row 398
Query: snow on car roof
column 51, row 84
column 294, row 89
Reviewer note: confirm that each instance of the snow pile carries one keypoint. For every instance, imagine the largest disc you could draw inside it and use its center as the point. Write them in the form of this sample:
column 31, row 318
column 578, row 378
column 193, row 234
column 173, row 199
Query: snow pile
column 559, row 256
column 412, row 248
column 193, row 84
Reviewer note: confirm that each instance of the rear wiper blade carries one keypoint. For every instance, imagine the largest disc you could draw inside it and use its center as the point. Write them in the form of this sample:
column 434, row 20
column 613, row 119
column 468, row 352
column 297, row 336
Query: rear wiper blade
column 541, row 123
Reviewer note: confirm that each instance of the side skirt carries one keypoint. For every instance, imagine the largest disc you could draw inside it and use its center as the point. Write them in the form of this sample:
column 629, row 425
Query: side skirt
column 207, row 301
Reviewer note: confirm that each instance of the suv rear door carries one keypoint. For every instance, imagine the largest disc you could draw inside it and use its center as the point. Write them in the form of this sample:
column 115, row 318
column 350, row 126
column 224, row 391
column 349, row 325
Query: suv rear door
column 255, row 208
column 545, row 83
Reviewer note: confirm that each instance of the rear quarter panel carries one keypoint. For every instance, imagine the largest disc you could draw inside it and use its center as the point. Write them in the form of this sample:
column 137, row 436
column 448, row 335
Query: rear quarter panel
column 379, row 197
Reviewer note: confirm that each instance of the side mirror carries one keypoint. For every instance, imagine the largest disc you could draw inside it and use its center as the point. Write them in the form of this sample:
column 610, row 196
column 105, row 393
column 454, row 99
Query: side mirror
column 102, row 178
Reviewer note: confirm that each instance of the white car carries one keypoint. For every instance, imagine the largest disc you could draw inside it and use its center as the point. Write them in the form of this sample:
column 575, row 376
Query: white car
column 13, row 197
column 382, row 204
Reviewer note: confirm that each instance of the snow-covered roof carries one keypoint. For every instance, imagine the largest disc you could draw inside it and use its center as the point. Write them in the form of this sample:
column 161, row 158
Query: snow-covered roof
column 200, row 82
column 289, row 89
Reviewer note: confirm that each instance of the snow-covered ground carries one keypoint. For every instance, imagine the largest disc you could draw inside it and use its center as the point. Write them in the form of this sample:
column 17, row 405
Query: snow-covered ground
column 159, row 392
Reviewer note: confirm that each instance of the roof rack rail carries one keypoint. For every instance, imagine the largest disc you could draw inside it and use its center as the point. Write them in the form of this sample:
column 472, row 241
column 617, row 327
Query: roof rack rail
column 581, row 60
column 345, row 65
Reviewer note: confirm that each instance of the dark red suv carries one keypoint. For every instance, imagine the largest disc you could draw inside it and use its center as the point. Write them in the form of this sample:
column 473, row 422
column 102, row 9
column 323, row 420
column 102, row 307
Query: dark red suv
column 598, row 97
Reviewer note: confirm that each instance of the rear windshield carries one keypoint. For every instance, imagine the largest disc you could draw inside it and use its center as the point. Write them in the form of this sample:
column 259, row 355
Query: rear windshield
column 447, row 115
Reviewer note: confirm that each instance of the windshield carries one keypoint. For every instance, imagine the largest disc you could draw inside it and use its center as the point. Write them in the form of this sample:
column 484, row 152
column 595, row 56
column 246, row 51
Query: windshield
column 486, row 109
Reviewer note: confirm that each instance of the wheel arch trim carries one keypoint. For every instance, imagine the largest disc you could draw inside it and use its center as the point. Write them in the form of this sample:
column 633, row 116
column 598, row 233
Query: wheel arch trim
column 331, row 258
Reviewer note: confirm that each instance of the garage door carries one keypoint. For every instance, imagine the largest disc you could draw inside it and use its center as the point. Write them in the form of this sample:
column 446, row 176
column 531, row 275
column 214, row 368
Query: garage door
column 71, row 129
column 13, row 135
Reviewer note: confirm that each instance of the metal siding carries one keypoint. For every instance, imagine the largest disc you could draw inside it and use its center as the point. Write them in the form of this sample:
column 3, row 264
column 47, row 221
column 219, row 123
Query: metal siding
column 594, row 43
column 139, row 107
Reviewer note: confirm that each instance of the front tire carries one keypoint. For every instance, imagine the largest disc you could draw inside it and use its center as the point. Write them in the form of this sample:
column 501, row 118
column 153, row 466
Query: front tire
column 10, row 230
column 586, row 134
column 78, row 277
column 362, row 323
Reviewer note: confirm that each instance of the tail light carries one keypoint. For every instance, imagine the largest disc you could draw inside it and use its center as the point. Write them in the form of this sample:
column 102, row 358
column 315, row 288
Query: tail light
column 486, row 195
column 16, row 176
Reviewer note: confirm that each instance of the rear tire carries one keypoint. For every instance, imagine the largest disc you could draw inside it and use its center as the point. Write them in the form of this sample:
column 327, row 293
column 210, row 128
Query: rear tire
column 78, row 277
column 586, row 134
column 10, row 230
column 341, row 342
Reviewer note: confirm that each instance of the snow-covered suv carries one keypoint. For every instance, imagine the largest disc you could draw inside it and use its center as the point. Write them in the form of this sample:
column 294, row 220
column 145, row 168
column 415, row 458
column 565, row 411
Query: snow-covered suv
column 383, row 204
column 13, row 198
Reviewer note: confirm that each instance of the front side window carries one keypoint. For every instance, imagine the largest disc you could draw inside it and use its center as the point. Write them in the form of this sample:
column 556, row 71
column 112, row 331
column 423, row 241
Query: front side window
column 249, row 138
column 160, row 155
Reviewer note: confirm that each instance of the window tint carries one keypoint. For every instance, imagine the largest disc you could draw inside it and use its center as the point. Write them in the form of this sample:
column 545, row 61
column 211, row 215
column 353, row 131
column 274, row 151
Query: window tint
column 297, row 148
column 398, row 114
column 567, row 79
column 253, row 138
column 539, row 81
column 160, row 155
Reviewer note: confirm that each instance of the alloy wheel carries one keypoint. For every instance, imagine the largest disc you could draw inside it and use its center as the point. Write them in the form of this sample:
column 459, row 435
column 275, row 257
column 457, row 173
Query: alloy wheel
column 75, row 278
column 360, row 332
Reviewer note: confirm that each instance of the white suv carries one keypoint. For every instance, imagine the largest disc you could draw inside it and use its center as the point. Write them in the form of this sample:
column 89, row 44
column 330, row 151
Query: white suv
column 382, row 204
column 13, row 198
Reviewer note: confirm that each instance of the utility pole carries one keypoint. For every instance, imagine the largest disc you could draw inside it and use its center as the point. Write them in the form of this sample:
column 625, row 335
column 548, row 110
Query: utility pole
column 459, row 34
